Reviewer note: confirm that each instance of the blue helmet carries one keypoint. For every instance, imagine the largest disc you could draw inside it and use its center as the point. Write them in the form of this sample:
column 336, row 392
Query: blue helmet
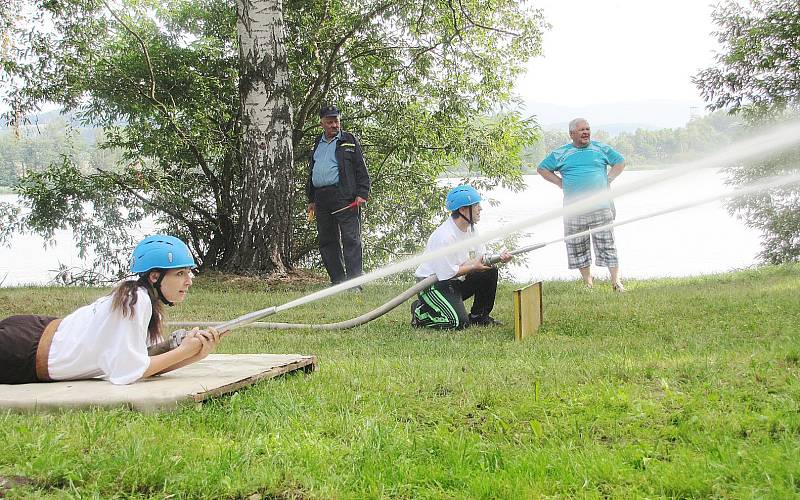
column 462, row 196
column 160, row 252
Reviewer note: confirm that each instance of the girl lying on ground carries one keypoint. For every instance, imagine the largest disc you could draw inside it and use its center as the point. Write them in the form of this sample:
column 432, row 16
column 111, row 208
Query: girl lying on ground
column 109, row 338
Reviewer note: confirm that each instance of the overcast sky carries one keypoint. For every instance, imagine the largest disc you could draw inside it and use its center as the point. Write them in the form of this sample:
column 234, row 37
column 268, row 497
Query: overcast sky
column 606, row 51
column 601, row 58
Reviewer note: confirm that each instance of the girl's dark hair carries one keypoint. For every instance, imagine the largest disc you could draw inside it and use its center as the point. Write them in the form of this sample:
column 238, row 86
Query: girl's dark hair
column 124, row 297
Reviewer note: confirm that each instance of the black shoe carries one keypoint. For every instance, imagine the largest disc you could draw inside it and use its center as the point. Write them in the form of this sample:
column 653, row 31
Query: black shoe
column 415, row 323
column 484, row 321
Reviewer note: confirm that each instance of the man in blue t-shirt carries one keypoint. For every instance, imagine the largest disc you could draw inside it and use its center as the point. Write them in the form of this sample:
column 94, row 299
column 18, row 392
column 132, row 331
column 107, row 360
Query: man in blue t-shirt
column 582, row 168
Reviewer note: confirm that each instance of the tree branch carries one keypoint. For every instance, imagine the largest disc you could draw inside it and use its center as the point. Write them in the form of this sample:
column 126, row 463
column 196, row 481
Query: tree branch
column 322, row 83
column 465, row 13
column 172, row 213
column 163, row 109
column 142, row 44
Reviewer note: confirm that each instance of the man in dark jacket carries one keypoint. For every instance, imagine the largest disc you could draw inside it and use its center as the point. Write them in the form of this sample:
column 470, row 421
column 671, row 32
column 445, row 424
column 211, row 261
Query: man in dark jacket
column 338, row 183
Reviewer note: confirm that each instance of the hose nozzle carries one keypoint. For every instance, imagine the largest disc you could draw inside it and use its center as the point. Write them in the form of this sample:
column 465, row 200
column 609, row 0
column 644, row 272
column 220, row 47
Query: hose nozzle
column 176, row 337
column 494, row 258
column 490, row 259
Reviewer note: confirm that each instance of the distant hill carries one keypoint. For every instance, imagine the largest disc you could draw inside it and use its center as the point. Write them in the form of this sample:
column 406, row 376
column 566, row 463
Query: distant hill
column 611, row 117
column 618, row 117
column 48, row 117
column 611, row 128
column 39, row 120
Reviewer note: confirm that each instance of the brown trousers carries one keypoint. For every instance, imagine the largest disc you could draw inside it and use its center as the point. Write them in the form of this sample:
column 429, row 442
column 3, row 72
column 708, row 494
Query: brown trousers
column 24, row 347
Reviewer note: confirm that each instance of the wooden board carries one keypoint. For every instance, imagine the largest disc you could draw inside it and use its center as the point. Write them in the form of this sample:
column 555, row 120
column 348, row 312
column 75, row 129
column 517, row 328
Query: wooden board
column 528, row 315
column 216, row 375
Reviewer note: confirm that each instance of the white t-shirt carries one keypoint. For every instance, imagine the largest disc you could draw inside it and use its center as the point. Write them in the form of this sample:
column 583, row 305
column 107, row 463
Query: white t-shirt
column 446, row 267
column 95, row 341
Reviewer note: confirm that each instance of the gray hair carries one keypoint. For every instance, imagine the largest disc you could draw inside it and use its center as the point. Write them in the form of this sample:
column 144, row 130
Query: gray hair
column 573, row 125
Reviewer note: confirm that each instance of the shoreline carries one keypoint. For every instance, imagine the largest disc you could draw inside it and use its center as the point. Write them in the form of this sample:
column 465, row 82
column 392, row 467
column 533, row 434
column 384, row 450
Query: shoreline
column 314, row 281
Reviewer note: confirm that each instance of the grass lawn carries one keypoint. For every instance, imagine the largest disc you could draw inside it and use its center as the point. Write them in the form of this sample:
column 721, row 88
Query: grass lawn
column 677, row 388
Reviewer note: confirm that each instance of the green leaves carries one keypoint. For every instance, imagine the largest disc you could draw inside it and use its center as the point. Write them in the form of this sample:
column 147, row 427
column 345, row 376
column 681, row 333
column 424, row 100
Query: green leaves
column 757, row 75
column 62, row 197
column 414, row 81
column 425, row 86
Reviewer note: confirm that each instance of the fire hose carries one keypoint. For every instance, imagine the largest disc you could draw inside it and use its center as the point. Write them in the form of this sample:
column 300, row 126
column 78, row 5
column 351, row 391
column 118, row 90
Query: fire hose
column 251, row 319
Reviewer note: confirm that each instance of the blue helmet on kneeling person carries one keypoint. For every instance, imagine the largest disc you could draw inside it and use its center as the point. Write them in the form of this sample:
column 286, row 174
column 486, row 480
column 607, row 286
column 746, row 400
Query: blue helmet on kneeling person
column 462, row 196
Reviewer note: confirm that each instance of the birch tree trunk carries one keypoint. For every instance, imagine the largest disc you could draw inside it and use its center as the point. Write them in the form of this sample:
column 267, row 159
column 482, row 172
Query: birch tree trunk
column 263, row 238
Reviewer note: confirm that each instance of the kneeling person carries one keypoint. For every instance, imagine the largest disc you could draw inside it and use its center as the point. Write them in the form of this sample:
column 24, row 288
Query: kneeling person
column 461, row 276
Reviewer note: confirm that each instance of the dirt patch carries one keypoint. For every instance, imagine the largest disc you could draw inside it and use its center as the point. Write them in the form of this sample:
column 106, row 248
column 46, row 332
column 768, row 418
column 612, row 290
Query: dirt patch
column 296, row 279
column 9, row 482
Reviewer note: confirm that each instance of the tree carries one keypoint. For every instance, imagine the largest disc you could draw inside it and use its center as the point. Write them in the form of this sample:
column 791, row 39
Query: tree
column 264, row 225
column 757, row 75
column 414, row 80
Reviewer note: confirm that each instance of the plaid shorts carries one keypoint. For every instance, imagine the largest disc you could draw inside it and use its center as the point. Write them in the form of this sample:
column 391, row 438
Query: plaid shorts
column 578, row 249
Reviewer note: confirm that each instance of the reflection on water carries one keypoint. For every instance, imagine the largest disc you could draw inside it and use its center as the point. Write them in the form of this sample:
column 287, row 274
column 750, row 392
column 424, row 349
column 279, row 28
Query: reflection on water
column 699, row 240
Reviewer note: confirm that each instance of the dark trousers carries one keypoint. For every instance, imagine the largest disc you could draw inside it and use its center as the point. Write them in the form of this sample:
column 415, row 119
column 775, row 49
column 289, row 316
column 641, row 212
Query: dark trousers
column 19, row 338
column 339, row 234
column 442, row 304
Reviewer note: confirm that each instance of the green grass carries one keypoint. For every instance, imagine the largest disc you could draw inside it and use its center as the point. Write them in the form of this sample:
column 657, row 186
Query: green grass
column 677, row 388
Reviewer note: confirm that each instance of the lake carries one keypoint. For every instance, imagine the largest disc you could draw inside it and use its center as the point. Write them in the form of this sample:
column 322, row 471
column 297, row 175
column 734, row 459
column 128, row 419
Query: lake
column 700, row 240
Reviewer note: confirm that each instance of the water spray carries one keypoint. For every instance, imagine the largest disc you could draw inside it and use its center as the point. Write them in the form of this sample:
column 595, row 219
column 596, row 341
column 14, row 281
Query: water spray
column 770, row 183
column 759, row 146
column 489, row 259
column 764, row 185
column 771, row 142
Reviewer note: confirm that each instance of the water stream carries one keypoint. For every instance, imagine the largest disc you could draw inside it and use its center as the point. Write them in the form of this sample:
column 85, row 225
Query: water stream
column 758, row 146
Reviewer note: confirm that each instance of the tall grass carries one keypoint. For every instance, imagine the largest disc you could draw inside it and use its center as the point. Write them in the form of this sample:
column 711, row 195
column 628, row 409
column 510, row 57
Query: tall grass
column 677, row 388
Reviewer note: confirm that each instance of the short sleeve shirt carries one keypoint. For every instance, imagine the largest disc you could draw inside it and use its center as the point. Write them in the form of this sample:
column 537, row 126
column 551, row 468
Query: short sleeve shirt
column 98, row 341
column 584, row 171
column 446, row 266
column 326, row 167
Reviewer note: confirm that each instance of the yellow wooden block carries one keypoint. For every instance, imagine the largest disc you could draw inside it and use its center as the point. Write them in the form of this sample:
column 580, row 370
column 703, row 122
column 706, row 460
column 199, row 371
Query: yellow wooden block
column 527, row 310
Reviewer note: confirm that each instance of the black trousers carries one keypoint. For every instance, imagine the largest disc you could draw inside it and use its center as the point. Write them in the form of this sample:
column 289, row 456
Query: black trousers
column 442, row 304
column 339, row 234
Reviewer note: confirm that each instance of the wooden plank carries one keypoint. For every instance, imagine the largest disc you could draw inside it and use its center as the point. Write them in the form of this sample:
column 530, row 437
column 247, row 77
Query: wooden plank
column 216, row 375
column 528, row 314
column 307, row 364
